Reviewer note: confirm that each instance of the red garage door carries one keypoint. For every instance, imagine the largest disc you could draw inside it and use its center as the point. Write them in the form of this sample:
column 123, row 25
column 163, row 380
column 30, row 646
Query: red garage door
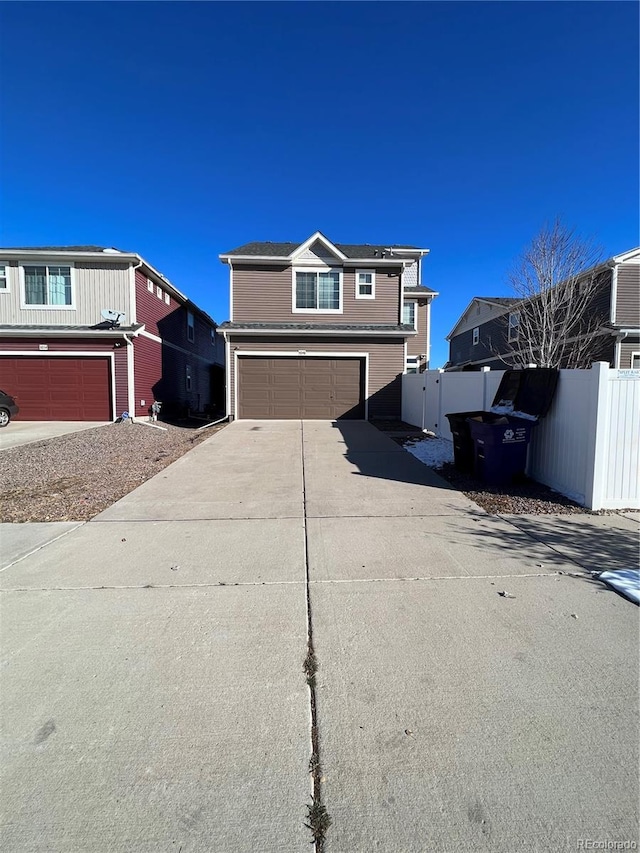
column 58, row 389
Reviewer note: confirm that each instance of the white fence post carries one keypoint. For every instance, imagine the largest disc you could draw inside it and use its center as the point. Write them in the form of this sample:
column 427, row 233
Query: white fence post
column 598, row 428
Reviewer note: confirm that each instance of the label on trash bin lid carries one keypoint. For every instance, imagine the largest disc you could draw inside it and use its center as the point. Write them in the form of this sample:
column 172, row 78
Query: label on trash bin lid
column 513, row 436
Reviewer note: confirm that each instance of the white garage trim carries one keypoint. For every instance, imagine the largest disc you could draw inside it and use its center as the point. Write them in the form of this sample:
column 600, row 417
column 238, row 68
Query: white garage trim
column 299, row 354
column 75, row 353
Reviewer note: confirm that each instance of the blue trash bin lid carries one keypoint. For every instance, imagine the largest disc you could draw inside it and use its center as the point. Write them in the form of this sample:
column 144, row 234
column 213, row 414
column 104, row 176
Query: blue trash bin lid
column 526, row 393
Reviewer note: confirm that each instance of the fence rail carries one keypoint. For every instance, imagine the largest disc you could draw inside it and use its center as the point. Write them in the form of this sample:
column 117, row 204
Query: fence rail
column 587, row 447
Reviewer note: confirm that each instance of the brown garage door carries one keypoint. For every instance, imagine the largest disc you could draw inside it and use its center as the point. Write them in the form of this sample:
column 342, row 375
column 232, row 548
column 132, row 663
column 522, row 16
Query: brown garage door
column 313, row 388
column 58, row 389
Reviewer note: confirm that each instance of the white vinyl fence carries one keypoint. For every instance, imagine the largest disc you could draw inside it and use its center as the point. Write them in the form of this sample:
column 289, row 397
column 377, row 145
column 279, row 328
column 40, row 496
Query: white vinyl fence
column 587, row 447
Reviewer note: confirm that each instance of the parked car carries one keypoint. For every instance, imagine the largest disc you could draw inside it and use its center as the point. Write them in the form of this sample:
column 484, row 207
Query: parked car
column 8, row 408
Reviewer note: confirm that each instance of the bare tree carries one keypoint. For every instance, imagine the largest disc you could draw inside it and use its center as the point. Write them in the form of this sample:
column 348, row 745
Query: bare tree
column 556, row 321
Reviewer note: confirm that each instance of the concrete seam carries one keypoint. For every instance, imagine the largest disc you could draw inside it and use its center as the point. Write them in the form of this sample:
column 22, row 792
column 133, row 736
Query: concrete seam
column 318, row 821
column 40, row 547
column 327, row 581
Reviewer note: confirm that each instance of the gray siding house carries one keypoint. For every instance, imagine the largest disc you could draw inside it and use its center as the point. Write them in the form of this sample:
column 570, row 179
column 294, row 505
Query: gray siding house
column 323, row 330
column 487, row 331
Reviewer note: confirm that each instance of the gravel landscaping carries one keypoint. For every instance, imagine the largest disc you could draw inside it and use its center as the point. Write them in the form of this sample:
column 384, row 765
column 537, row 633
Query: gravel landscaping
column 74, row 477
column 527, row 498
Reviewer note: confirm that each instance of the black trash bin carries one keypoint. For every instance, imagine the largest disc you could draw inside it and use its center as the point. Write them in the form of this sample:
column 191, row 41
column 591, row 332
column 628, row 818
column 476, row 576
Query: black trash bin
column 494, row 444
column 463, row 452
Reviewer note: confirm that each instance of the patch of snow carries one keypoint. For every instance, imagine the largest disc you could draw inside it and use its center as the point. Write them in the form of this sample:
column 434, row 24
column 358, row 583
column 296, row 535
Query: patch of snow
column 432, row 451
column 626, row 581
column 508, row 410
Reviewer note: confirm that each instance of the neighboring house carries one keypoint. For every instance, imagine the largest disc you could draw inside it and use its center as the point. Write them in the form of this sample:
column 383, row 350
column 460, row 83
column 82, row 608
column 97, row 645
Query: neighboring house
column 323, row 330
column 487, row 331
column 62, row 360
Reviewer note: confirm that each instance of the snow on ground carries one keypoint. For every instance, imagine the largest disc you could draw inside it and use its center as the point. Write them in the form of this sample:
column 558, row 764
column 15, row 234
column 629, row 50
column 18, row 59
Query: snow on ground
column 433, row 451
column 626, row 581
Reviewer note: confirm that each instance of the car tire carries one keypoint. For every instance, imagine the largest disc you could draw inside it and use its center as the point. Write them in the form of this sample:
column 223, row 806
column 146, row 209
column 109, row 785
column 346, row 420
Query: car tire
column 5, row 417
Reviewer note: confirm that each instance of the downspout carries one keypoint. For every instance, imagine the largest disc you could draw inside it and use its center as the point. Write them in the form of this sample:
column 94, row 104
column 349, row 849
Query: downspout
column 226, row 395
column 130, row 377
column 131, row 374
column 620, row 336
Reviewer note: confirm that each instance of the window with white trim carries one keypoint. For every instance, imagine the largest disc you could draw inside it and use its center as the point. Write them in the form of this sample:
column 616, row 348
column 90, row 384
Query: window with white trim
column 365, row 284
column 167, row 299
column 187, row 377
column 158, row 292
column 191, row 327
column 149, row 285
column 476, row 335
column 635, row 361
column 48, row 286
column 317, row 290
column 412, row 363
column 514, row 326
column 4, row 284
column 409, row 314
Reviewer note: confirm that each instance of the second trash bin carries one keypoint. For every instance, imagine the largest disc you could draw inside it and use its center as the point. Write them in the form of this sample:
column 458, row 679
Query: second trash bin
column 494, row 444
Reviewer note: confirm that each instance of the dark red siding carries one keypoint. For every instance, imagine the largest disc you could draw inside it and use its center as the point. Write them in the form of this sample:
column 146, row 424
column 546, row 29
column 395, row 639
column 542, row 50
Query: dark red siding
column 122, row 380
column 149, row 309
column 147, row 361
column 161, row 366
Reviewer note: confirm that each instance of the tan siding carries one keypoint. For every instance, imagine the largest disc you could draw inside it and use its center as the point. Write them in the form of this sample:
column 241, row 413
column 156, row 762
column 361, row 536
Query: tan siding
column 386, row 363
column 96, row 286
column 626, row 349
column 417, row 345
column 628, row 296
column 264, row 294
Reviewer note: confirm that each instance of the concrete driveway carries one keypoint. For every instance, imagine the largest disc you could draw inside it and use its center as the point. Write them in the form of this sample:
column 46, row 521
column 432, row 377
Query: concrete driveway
column 154, row 697
column 18, row 432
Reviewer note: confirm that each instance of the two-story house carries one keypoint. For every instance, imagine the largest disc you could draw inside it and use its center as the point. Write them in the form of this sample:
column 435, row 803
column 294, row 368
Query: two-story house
column 323, row 330
column 487, row 332
column 88, row 333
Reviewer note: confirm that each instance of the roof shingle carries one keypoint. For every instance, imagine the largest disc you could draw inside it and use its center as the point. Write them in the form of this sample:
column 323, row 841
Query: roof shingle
column 283, row 250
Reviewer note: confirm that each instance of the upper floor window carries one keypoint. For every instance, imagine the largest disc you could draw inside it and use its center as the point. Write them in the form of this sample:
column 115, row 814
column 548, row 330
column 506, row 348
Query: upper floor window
column 409, row 314
column 317, row 290
column 158, row 292
column 476, row 335
column 3, row 278
column 365, row 284
column 48, row 286
column 149, row 285
column 213, row 336
column 167, row 299
column 191, row 329
column 635, row 360
column 514, row 326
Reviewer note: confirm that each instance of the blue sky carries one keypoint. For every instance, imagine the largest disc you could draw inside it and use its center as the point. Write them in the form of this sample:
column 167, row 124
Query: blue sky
column 182, row 130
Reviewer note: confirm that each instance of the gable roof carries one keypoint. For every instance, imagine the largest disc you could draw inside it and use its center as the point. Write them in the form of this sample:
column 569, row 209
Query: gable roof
column 497, row 301
column 494, row 300
column 506, row 301
column 285, row 251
